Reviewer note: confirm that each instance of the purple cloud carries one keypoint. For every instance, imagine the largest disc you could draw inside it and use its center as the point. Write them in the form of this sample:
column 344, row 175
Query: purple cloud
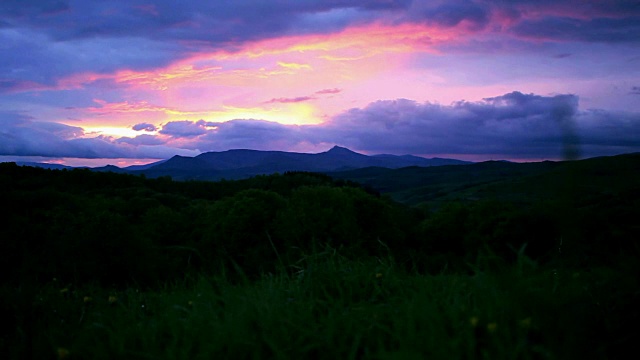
column 514, row 125
column 252, row 134
column 328, row 91
column 510, row 126
column 186, row 128
column 451, row 13
column 576, row 29
column 46, row 41
column 144, row 139
column 21, row 136
column 144, row 126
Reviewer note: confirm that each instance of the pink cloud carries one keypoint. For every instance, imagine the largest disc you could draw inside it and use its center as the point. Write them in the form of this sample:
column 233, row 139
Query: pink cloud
column 290, row 100
column 329, row 91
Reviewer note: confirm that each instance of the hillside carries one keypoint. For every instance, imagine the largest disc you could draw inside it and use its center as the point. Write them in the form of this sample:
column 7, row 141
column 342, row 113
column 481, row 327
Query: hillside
column 518, row 182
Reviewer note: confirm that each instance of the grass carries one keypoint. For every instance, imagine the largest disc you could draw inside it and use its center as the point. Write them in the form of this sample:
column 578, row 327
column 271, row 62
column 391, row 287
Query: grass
column 331, row 307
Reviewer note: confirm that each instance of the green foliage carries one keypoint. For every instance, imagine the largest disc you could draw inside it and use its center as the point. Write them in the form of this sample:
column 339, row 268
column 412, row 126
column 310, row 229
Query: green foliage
column 332, row 308
column 105, row 265
column 119, row 229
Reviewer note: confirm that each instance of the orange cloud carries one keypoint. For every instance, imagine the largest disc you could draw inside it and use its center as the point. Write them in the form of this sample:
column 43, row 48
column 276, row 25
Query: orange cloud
column 236, row 68
column 134, row 107
column 294, row 66
column 223, row 85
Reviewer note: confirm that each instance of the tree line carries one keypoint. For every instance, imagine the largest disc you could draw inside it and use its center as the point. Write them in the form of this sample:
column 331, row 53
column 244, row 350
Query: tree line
column 82, row 226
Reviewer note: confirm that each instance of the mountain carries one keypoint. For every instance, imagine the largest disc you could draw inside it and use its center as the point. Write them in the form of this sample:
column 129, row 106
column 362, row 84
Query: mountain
column 128, row 169
column 244, row 163
column 43, row 165
column 143, row 167
column 586, row 180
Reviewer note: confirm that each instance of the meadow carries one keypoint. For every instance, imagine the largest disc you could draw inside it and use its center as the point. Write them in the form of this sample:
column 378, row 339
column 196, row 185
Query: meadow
column 300, row 265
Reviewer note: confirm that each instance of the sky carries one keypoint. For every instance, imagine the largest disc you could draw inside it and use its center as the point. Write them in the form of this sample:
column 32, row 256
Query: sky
column 124, row 82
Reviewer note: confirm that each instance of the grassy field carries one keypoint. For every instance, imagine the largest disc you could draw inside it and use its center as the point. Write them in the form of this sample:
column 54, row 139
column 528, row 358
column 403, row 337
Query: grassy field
column 335, row 308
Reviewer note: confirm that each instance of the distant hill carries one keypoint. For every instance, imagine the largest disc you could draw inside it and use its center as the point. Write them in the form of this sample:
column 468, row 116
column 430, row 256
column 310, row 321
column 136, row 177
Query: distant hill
column 515, row 182
column 243, row 163
column 128, row 169
column 43, row 165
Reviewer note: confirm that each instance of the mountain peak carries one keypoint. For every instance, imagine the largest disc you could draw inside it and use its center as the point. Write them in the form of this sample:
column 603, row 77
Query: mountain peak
column 340, row 150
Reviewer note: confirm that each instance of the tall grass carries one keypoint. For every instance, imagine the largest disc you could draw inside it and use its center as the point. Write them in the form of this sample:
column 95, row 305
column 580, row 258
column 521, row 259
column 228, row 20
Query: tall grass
column 330, row 307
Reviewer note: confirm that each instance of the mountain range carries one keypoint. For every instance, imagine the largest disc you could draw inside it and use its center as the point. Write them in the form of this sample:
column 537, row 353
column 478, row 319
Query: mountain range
column 244, row 163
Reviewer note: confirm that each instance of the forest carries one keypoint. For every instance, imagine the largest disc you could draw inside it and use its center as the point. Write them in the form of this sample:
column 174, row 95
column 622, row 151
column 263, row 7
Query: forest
column 520, row 262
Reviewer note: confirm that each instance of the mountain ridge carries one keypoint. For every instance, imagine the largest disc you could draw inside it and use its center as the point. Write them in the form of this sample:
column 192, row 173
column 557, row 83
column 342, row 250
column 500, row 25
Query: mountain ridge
column 236, row 164
column 243, row 163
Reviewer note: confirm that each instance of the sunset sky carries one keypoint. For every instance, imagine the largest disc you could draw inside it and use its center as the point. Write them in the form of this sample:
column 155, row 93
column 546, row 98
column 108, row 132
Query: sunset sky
column 125, row 82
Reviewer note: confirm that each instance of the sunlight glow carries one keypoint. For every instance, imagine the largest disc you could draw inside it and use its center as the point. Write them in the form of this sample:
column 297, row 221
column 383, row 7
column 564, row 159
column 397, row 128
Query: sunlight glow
column 111, row 131
column 285, row 75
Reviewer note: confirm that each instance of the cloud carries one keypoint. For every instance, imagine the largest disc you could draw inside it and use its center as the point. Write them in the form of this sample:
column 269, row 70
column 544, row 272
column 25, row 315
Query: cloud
column 255, row 134
column 186, row 128
column 290, row 100
column 188, row 21
column 31, row 61
column 449, row 14
column 328, row 91
column 510, row 126
column 565, row 21
column 22, row 136
column 635, row 90
column 294, row 66
column 144, row 139
column 298, row 99
column 564, row 28
column 34, row 8
column 144, row 126
column 44, row 42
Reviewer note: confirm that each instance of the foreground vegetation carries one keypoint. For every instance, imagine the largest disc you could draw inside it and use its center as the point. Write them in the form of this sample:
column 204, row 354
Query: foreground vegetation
column 105, row 265
column 337, row 308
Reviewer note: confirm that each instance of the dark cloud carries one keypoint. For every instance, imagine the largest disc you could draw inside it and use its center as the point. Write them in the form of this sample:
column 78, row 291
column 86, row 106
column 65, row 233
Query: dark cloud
column 30, row 60
column 565, row 28
column 579, row 8
column 566, row 20
column 32, row 8
column 193, row 20
column 452, row 13
column 144, row 126
column 514, row 125
column 635, row 90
